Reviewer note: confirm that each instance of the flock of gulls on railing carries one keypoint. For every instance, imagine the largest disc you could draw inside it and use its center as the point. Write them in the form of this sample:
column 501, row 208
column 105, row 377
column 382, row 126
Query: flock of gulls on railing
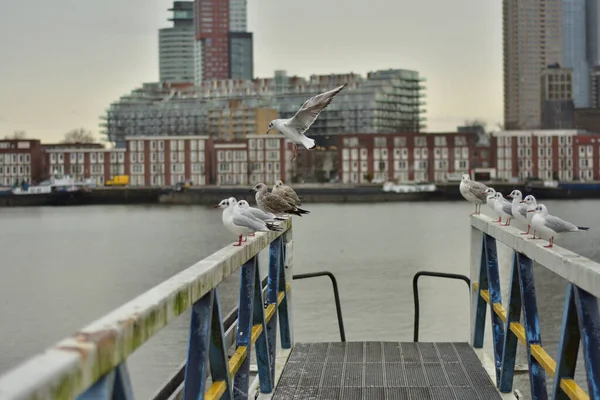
column 239, row 217
column 242, row 220
column 525, row 210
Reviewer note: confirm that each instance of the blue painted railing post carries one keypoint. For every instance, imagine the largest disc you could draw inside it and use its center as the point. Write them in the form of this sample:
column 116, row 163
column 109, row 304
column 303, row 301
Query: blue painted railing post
column 513, row 314
column 284, row 318
column 568, row 345
column 262, row 346
column 480, row 310
column 589, row 326
column 219, row 365
column 244, row 328
column 272, row 286
column 493, row 275
column 196, row 366
column 537, row 375
column 114, row 385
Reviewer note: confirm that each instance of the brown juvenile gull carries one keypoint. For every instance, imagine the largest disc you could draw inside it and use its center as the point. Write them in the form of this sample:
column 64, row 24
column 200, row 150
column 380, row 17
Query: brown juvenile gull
column 473, row 192
column 273, row 203
column 287, row 193
column 294, row 128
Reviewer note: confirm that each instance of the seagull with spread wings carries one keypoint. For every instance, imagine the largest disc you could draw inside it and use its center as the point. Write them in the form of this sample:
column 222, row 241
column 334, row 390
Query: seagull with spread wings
column 294, row 128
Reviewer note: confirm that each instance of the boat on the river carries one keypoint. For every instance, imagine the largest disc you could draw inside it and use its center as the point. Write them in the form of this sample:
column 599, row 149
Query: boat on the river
column 55, row 185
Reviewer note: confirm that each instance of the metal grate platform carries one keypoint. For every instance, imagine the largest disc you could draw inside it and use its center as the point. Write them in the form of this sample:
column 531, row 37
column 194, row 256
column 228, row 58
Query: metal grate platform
column 384, row 371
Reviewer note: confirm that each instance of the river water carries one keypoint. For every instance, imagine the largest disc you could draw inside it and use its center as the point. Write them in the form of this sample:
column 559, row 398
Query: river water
column 62, row 268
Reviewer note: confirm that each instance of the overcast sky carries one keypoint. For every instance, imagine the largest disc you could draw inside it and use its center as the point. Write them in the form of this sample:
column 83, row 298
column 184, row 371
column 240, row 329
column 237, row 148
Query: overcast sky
column 64, row 61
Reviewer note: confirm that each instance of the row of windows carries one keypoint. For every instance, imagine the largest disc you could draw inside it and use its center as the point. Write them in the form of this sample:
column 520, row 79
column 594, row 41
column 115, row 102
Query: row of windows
column 527, row 140
column 15, row 158
column 175, row 157
column 174, row 145
column 79, row 157
column 14, row 170
column 401, row 141
column 160, row 168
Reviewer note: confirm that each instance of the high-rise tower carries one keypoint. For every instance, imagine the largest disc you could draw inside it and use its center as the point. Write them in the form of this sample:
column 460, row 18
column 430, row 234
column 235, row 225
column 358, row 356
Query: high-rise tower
column 532, row 31
column 223, row 48
column 176, row 45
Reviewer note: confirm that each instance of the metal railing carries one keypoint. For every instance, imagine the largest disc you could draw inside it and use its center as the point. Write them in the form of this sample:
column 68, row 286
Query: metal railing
column 336, row 295
column 580, row 322
column 93, row 362
column 416, row 302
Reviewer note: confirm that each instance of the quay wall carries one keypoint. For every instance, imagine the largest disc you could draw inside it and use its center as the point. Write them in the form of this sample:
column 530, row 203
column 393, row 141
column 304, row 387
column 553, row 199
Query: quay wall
column 311, row 193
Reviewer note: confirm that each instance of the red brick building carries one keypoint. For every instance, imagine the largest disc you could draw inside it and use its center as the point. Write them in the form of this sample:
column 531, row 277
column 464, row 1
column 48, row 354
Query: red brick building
column 257, row 158
column 409, row 156
column 90, row 160
column 212, row 36
column 563, row 155
column 20, row 160
column 167, row 160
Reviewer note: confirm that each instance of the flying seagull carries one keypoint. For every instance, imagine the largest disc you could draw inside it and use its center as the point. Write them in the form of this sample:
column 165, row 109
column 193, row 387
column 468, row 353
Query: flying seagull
column 550, row 226
column 273, row 203
column 294, row 128
column 473, row 192
column 287, row 193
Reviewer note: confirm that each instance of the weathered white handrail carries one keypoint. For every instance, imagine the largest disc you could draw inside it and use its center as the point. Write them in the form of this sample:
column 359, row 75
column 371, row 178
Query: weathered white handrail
column 575, row 268
column 68, row 368
column 581, row 316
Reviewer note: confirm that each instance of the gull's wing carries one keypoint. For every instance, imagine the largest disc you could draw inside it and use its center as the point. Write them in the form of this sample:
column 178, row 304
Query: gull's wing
column 522, row 209
column 276, row 202
column 478, row 189
column 247, row 222
column 558, row 225
column 507, row 208
column 260, row 214
column 291, row 193
column 311, row 109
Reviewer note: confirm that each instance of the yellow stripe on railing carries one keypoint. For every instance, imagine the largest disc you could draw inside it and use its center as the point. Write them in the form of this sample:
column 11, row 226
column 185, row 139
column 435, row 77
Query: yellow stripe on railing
column 217, row 389
column 569, row 386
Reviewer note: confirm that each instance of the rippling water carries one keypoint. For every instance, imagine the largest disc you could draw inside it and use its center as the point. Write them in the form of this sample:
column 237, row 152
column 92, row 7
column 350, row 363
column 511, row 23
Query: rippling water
column 64, row 267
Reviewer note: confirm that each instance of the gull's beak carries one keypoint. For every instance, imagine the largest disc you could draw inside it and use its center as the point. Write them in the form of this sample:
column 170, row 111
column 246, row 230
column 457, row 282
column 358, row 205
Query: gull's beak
column 252, row 190
column 268, row 130
column 522, row 202
column 531, row 211
column 217, row 206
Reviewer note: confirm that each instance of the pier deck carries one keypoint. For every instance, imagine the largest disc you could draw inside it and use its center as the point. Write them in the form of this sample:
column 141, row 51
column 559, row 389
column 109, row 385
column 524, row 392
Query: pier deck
column 384, row 370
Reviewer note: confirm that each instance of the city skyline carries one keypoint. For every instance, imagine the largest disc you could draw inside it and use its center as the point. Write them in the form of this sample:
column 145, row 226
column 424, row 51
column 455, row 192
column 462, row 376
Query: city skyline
column 68, row 79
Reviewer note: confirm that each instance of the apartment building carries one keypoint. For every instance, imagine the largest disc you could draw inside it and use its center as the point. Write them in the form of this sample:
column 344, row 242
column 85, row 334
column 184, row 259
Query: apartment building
column 563, row 155
column 20, row 161
column 405, row 157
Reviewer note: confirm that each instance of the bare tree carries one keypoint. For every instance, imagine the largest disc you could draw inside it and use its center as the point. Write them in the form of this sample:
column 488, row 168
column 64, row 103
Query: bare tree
column 17, row 135
column 79, row 136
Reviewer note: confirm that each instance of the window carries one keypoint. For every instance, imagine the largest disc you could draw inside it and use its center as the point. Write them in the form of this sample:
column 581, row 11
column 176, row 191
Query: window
column 132, row 145
column 399, row 142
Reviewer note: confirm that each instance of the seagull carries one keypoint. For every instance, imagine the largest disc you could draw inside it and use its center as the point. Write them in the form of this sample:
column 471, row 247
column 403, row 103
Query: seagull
column 273, row 203
column 531, row 204
column 518, row 208
column 473, row 192
column 294, row 128
column 239, row 224
column 491, row 198
column 503, row 208
column 287, row 193
column 550, row 226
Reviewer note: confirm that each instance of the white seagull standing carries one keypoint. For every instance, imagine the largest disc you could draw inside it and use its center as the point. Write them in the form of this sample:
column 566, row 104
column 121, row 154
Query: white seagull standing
column 473, row 192
column 518, row 208
column 503, row 208
column 294, row 128
column 239, row 224
column 531, row 204
column 550, row 226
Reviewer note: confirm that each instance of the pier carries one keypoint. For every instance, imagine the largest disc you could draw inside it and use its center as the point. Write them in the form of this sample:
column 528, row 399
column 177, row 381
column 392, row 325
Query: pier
column 250, row 352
